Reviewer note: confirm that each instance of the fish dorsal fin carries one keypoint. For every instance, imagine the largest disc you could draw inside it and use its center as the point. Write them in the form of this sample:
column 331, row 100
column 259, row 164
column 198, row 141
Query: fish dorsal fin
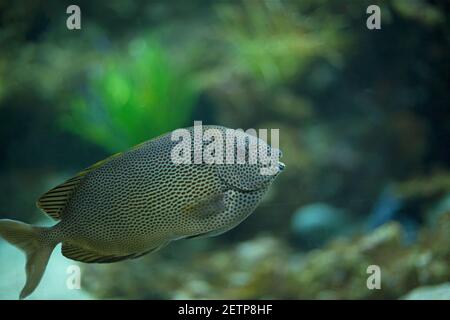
column 54, row 200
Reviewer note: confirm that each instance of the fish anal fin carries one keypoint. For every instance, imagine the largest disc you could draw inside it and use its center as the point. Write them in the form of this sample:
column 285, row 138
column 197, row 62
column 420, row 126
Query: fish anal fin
column 88, row 256
column 206, row 206
column 140, row 254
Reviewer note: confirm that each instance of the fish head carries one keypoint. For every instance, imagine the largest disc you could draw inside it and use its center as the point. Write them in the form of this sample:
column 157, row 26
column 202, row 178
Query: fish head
column 256, row 164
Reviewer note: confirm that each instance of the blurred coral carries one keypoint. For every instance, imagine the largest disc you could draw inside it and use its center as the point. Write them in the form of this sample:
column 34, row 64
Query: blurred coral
column 267, row 268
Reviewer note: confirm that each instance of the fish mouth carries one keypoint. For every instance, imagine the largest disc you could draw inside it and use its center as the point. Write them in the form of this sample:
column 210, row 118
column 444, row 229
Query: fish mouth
column 281, row 166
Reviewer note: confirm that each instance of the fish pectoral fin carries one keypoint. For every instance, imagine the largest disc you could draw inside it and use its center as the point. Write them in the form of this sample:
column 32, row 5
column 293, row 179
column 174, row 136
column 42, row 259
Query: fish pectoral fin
column 88, row 256
column 206, row 206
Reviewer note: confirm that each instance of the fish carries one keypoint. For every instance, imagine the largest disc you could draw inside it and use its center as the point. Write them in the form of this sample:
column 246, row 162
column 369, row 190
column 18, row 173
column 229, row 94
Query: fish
column 138, row 201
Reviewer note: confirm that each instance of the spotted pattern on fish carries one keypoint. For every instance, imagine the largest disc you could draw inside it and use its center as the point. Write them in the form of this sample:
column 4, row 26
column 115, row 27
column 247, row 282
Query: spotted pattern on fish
column 138, row 201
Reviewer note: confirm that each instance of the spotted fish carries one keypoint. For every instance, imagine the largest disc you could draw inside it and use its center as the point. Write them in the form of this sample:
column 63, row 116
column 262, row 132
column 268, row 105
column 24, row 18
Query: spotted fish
column 137, row 202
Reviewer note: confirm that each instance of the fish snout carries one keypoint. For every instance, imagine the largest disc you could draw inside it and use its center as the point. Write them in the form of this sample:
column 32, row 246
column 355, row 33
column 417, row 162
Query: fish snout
column 281, row 166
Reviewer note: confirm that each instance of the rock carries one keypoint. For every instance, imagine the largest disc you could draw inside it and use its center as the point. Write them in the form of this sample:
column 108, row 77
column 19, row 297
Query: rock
column 315, row 224
column 439, row 292
column 440, row 208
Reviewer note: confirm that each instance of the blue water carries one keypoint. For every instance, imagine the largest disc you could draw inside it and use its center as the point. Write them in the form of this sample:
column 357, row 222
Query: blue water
column 53, row 284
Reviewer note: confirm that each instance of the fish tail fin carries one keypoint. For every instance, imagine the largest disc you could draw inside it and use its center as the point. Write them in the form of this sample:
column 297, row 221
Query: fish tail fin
column 30, row 240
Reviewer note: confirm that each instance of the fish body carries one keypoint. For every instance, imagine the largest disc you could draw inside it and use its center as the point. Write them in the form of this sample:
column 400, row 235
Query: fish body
column 136, row 202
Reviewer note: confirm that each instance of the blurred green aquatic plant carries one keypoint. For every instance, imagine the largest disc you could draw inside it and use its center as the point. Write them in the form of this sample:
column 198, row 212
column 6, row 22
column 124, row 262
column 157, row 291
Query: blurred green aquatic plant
column 271, row 41
column 133, row 97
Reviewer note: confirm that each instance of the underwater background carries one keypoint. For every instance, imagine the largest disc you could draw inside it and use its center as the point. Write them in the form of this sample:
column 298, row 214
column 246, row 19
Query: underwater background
column 364, row 121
